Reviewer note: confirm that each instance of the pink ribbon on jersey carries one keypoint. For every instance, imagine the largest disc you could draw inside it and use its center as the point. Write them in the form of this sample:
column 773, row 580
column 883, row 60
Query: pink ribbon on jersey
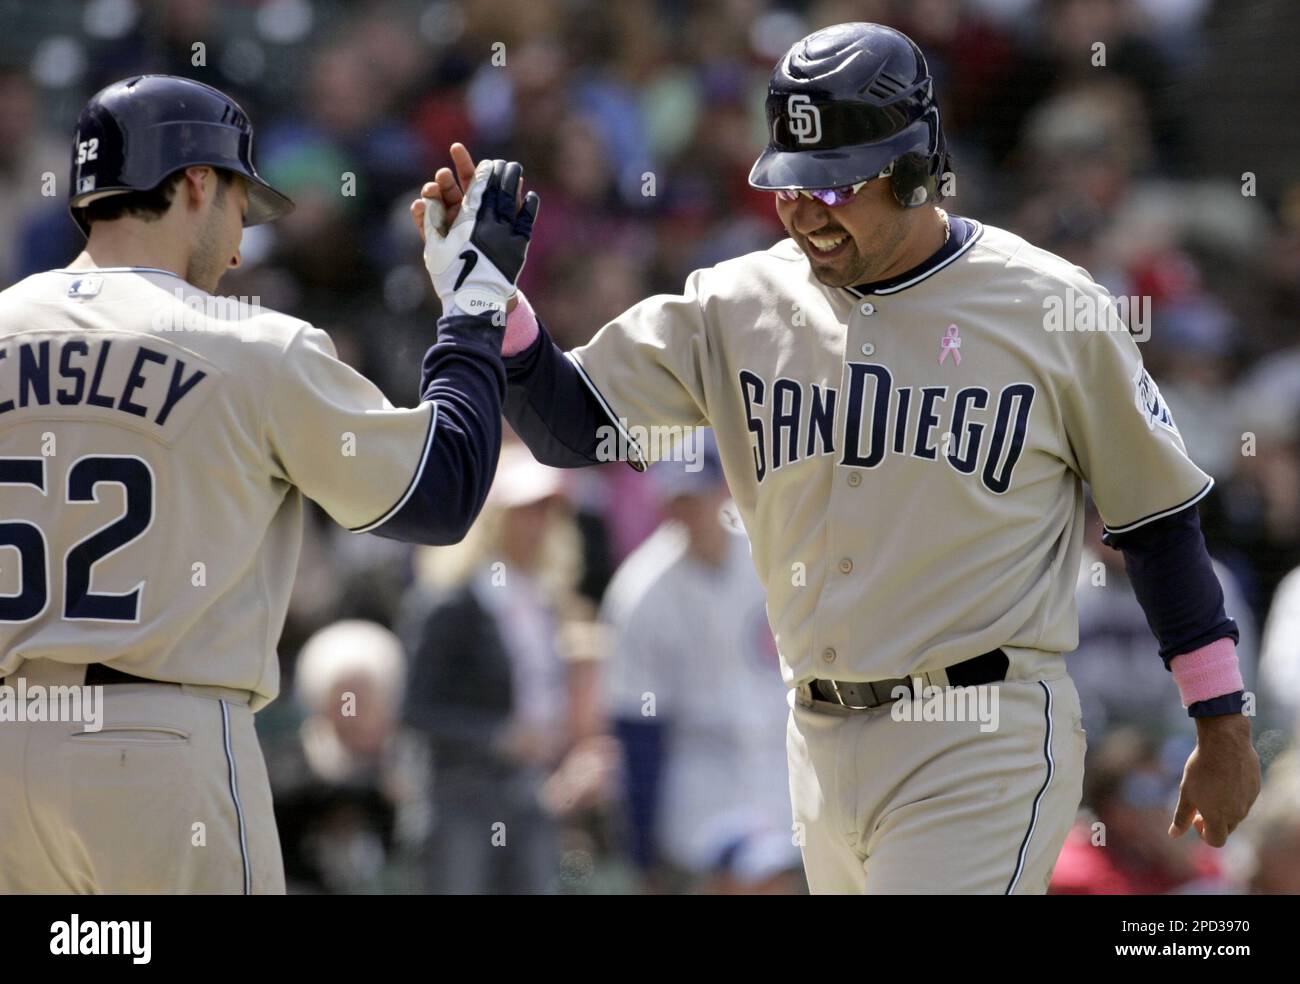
column 951, row 342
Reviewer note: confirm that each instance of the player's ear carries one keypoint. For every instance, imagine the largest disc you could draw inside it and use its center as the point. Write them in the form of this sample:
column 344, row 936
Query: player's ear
column 198, row 183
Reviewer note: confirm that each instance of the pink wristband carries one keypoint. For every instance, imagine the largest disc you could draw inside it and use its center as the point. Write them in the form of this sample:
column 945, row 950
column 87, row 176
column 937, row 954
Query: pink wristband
column 1210, row 671
column 521, row 327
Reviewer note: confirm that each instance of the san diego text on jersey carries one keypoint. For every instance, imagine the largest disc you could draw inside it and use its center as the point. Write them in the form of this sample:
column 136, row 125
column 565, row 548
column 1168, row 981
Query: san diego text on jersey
column 880, row 419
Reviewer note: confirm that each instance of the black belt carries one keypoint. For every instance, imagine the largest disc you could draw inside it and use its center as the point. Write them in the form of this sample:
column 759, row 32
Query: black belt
column 990, row 667
column 101, row 674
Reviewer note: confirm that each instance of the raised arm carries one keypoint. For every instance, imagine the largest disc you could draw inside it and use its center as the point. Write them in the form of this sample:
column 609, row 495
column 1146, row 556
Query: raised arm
column 597, row 403
column 553, row 406
column 422, row 474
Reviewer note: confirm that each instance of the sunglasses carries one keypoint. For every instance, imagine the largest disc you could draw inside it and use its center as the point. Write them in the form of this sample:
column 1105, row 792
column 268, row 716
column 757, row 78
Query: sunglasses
column 830, row 197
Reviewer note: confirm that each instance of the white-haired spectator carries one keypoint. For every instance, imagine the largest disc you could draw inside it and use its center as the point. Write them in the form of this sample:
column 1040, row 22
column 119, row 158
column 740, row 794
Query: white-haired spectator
column 349, row 680
column 350, row 791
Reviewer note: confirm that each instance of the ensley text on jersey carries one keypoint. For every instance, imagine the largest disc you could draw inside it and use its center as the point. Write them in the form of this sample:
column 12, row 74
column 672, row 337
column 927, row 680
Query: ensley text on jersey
column 113, row 373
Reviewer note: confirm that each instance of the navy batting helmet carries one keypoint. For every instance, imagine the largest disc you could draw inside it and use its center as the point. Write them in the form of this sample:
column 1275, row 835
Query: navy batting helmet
column 134, row 133
column 843, row 105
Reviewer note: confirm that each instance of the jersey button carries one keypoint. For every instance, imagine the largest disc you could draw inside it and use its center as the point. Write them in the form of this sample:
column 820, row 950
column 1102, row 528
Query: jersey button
column 855, row 479
column 846, row 566
column 828, row 654
column 868, row 349
column 868, row 309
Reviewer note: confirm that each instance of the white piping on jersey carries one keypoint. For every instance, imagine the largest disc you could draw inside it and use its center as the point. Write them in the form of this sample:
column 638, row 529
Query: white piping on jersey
column 961, row 251
column 93, row 270
column 1033, row 816
column 1163, row 513
column 415, row 479
column 609, row 412
column 234, row 794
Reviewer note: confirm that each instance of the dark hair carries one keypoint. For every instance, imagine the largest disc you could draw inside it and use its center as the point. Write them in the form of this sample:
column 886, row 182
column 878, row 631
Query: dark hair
column 148, row 205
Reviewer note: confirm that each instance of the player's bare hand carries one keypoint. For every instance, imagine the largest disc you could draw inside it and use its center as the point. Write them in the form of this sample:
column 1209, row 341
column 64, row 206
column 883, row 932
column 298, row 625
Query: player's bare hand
column 1220, row 782
column 448, row 187
column 429, row 193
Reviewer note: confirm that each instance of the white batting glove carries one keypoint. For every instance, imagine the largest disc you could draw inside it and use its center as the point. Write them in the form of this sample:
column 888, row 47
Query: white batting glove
column 475, row 264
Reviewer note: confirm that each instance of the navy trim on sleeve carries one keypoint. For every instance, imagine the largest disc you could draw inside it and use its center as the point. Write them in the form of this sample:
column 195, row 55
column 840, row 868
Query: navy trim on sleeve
column 1175, row 583
column 465, row 380
column 556, row 409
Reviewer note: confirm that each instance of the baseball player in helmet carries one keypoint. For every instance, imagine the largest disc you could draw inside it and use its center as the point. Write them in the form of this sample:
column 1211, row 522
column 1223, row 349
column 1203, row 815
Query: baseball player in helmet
column 848, row 105
column 851, row 115
column 906, row 433
column 155, row 448
column 138, row 132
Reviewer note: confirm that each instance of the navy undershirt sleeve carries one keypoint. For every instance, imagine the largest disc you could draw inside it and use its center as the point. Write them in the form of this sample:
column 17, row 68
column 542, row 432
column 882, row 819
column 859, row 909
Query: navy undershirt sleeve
column 1175, row 583
column 552, row 407
column 465, row 380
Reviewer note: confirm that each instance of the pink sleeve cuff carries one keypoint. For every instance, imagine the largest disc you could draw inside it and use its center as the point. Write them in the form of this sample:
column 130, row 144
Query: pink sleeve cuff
column 521, row 327
column 1210, row 671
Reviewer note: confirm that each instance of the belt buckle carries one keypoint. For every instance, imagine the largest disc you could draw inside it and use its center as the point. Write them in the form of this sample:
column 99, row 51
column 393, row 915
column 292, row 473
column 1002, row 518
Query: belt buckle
column 835, row 689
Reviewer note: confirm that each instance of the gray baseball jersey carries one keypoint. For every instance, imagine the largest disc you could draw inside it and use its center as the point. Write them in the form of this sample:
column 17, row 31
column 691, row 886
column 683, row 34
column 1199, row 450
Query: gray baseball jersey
column 155, row 445
column 909, row 461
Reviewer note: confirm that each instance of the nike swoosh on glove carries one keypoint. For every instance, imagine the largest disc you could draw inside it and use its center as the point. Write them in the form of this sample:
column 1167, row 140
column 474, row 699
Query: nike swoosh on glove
column 475, row 264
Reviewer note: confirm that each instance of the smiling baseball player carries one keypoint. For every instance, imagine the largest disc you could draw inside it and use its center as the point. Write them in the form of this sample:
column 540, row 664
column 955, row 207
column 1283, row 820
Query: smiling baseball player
column 155, row 449
column 907, row 443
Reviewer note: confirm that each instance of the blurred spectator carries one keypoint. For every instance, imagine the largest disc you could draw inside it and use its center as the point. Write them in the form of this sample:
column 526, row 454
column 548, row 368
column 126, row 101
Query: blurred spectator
column 33, row 169
column 1271, row 833
column 1124, row 848
column 1279, row 658
column 1260, row 507
column 1077, row 44
column 492, row 688
column 696, row 695
column 1196, row 335
column 350, row 797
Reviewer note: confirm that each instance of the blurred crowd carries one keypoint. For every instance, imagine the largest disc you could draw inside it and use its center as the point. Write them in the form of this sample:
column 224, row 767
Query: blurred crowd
column 584, row 696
